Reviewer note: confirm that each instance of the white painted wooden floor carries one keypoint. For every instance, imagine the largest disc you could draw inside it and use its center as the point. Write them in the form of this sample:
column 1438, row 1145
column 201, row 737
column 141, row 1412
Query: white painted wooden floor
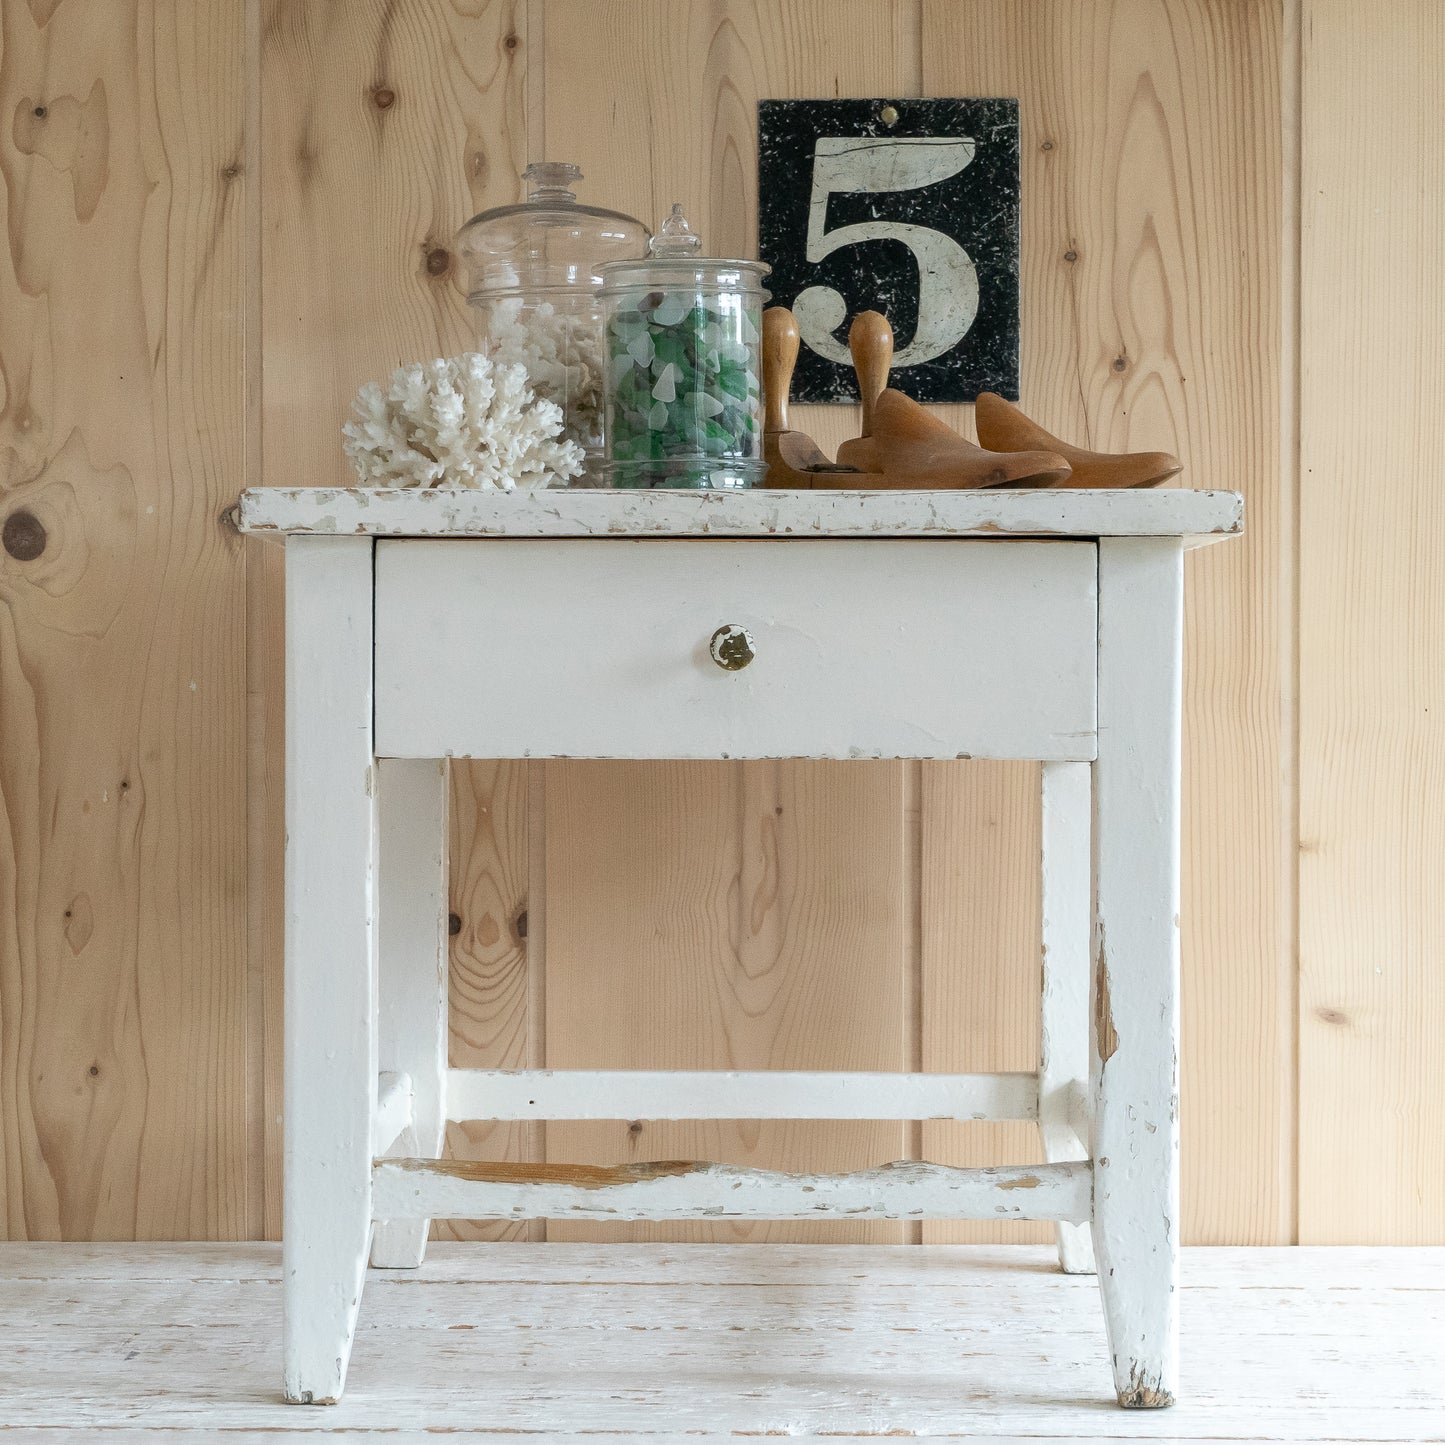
column 660, row 1343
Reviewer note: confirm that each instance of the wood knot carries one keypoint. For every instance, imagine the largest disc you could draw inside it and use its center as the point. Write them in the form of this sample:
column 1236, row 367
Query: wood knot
column 454, row 924
column 512, row 42
column 521, row 926
column 1332, row 1016
column 23, row 535
column 438, row 261
column 1048, row 145
column 95, row 1071
column 1121, row 363
column 635, row 1127
column 383, row 97
column 1071, row 257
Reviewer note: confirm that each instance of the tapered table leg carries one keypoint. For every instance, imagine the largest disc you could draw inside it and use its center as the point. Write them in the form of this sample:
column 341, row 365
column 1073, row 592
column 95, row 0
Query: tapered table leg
column 1135, row 985
column 330, row 990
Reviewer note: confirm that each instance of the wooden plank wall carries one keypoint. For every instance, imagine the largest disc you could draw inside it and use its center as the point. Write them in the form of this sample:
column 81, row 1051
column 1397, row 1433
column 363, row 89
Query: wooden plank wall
column 221, row 220
column 1372, row 629
column 128, row 1049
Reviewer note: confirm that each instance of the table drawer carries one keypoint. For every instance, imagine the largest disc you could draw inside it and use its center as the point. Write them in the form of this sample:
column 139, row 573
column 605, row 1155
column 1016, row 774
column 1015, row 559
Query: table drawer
column 600, row 648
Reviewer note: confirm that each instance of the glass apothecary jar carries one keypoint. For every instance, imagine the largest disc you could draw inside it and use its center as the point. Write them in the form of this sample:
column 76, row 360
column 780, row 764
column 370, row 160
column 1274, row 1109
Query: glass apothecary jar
column 683, row 404
column 534, row 270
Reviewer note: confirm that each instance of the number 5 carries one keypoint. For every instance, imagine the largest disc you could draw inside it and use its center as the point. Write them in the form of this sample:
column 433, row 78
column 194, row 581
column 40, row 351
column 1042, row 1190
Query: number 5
column 947, row 280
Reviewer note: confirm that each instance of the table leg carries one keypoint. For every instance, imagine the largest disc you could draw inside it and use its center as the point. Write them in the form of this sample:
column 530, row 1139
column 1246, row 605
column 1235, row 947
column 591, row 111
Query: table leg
column 1066, row 889
column 1135, row 986
column 412, row 808
column 330, row 992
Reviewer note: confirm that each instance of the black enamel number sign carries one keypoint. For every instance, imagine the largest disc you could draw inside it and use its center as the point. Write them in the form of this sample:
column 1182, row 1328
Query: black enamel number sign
column 908, row 207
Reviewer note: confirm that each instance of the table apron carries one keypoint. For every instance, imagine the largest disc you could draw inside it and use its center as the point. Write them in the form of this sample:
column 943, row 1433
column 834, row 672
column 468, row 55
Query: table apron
column 600, row 648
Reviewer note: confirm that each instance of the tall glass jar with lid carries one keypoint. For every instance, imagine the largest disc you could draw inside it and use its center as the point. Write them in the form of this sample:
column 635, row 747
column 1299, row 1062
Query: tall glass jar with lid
column 683, row 395
column 534, row 271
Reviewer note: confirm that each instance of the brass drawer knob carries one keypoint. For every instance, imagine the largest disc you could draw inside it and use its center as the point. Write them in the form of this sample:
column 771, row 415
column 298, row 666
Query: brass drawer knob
column 732, row 647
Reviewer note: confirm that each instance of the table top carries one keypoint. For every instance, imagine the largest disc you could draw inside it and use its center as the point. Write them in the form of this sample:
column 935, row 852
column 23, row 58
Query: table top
column 1196, row 517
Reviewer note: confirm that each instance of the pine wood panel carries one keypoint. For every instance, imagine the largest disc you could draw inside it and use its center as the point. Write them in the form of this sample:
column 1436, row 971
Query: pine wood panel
column 385, row 126
column 1151, row 318
column 495, row 1018
column 980, row 970
column 125, row 1105
column 1372, row 626
column 753, row 915
column 726, row 916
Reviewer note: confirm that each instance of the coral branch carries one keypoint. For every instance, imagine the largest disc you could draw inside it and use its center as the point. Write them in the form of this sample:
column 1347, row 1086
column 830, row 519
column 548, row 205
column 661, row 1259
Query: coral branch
column 462, row 421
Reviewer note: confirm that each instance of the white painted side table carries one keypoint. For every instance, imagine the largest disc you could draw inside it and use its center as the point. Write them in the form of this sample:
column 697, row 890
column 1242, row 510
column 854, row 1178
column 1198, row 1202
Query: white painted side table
column 422, row 626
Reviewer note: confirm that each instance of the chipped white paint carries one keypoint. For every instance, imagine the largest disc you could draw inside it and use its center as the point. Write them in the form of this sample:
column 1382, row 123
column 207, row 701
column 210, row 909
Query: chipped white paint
column 330, row 987
column 1197, row 517
column 451, row 1190
column 776, row 1094
column 1135, row 982
column 1067, row 898
column 412, row 986
column 512, row 646
column 600, row 649
column 392, row 1118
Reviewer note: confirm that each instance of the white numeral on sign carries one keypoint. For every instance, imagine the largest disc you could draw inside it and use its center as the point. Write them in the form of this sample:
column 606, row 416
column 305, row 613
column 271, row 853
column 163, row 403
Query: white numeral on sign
column 947, row 280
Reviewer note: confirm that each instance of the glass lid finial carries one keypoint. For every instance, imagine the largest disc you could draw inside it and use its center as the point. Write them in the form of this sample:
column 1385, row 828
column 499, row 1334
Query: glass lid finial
column 675, row 238
column 552, row 179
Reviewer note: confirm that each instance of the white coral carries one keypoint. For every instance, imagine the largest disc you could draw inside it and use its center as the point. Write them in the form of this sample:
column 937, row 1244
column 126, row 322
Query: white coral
column 564, row 355
column 461, row 421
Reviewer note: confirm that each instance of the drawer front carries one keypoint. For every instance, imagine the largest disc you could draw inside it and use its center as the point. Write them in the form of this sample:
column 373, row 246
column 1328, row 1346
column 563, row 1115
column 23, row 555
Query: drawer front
column 862, row 649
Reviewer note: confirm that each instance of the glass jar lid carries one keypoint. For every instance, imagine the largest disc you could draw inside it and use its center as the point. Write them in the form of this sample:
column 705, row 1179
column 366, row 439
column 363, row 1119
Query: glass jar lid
column 673, row 261
column 546, row 243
